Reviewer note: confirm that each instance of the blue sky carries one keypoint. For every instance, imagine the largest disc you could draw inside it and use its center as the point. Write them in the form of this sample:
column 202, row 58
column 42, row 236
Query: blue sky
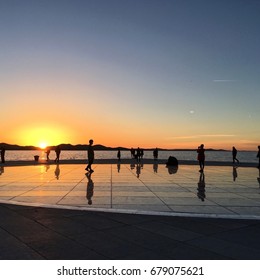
column 148, row 72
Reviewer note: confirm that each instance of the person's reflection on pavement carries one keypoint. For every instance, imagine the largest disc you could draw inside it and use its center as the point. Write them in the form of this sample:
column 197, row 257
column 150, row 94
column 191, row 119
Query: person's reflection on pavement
column 155, row 167
column 234, row 173
column 258, row 178
column 90, row 188
column 201, row 187
column 57, row 171
column 138, row 170
column 47, row 167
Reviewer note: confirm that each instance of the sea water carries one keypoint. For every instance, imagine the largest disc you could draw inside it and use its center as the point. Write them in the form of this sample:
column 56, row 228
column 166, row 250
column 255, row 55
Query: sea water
column 223, row 156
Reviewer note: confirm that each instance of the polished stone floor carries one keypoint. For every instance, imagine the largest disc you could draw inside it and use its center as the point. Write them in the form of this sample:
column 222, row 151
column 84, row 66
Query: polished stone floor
column 221, row 191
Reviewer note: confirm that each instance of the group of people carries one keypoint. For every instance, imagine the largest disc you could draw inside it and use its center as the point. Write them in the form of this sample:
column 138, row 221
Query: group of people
column 138, row 154
column 90, row 155
column 57, row 151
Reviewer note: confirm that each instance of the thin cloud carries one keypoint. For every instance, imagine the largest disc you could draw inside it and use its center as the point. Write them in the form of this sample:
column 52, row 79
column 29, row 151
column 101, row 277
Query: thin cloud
column 203, row 135
column 224, row 81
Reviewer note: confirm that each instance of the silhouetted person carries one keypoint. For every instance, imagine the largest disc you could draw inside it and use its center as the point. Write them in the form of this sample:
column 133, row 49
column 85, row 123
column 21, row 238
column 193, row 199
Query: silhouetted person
column 201, row 157
column 141, row 153
column 57, row 151
column 138, row 154
column 234, row 155
column 155, row 154
column 3, row 154
column 234, row 173
column 57, row 172
column 258, row 155
column 118, row 167
column 90, row 156
column 90, row 188
column 119, row 155
column 132, row 153
column 47, row 154
column 201, row 187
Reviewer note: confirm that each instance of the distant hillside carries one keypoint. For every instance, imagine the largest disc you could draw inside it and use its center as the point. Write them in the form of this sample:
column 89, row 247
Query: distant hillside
column 65, row 147
column 81, row 147
column 17, row 147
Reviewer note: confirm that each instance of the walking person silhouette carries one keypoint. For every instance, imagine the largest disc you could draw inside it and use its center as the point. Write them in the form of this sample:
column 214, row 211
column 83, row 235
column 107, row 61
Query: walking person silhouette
column 90, row 156
column 57, row 151
column 234, row 155
column 201, row 157
column 48, row 150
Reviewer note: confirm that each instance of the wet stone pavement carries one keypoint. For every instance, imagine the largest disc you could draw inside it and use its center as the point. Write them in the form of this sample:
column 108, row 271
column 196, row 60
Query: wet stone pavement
column 219, row 191
column 129, row 212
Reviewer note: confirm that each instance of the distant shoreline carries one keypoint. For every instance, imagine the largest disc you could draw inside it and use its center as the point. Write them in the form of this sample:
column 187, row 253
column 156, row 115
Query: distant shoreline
column 98, row 147
column 126, row 161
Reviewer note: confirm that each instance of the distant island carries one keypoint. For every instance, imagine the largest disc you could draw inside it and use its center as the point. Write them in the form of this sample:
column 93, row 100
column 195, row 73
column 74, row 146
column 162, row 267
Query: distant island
column 82, row 147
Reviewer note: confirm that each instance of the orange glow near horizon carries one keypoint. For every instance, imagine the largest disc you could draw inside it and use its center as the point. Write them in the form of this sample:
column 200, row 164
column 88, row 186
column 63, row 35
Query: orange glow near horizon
column 42, row 136
column 53, row 133
column 43, row 145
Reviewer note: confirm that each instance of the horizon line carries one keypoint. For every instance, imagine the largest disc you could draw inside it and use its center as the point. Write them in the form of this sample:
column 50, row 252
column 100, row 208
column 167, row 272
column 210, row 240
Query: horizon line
column 117, row 147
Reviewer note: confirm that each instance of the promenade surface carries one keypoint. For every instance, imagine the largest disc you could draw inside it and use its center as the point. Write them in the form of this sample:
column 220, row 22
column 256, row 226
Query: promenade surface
column 129, row 211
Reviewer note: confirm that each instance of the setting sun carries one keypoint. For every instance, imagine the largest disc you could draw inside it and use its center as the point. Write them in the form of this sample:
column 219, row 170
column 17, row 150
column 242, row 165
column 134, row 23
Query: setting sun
column 43, row 135
column 43, row 145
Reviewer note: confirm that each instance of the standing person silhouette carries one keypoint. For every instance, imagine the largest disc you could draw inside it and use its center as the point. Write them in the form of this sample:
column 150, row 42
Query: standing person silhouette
column 119, row 155
column 234, row 155
column 57, row 151
column 155, row 154
column 201, row 157
column 138, row 154
column 90, row 156
column 132, row 153
column 3, row 154
column 258, row 155
column 141, row 153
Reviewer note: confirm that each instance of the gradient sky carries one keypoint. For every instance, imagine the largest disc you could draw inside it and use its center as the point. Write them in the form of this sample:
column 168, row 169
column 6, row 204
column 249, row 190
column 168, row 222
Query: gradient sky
column 166, row 73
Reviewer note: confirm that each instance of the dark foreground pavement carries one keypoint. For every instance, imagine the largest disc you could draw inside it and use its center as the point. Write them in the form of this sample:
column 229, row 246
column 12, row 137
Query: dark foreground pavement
column 57, row 234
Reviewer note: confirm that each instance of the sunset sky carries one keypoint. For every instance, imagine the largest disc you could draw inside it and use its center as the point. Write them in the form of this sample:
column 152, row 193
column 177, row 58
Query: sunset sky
column 165, row 73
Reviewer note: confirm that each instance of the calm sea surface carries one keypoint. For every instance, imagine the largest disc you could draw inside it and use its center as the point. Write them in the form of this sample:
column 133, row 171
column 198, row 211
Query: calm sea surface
column 180, row 155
